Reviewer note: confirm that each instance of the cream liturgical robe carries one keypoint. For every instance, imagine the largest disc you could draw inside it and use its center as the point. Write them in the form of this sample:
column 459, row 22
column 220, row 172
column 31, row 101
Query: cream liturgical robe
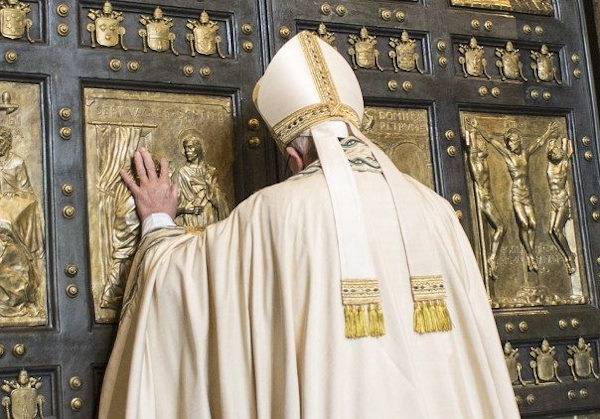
column 244, row 320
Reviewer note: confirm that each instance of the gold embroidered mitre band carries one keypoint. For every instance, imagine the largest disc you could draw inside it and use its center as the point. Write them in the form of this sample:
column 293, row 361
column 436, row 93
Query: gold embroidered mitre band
column 288, row 130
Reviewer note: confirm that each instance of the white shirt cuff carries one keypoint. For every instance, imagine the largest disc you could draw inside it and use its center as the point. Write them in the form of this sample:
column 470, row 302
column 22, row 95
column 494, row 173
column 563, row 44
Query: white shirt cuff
column 156, row 221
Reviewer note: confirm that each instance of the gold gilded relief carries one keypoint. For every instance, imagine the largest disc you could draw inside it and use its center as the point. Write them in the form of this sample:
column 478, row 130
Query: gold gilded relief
column 107, row 30
column 325, row 35
column 23, row 400
column 194, row 132
column 544, row 364
column 201, row 199
column 157, row 33
column 14, row 22
column 521, row 196
column 472, row 59
column 364, row 51
column 581, row 360
column 22, row 238
column 403, row 134
column 477, row 160
column 205, row 38
column 539, row 7
column 514, row 367
column 509, row 63
column 543, row 65
column 404, row 55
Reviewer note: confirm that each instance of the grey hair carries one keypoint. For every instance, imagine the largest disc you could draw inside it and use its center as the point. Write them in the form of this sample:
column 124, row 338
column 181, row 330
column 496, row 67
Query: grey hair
column 305, row 146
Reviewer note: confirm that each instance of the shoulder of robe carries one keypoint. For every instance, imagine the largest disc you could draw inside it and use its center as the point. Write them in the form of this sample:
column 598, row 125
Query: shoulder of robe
column 429, row 194
column 298, row 191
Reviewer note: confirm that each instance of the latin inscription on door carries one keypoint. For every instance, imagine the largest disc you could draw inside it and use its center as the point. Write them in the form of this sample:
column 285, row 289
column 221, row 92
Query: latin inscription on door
column 403, row 134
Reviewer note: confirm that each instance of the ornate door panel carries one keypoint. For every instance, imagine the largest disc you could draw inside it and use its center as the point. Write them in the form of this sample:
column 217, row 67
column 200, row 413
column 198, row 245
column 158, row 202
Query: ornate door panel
column 490, row 102
column 82, row 85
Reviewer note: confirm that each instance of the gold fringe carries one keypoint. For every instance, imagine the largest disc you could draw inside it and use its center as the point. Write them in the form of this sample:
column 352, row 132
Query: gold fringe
column 361, row 321
column 350, row 324
column 431, row 316
column 364, row 320
column 194, row 229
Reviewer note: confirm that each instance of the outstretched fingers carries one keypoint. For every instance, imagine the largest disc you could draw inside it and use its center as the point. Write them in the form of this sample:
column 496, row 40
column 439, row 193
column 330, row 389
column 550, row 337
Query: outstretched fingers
column 140, row 168
column 149, row 166
column 164, row 170
column 130, row 182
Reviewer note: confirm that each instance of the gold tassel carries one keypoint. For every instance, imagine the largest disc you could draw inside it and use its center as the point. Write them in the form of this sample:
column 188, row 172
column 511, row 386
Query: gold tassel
column 350, row 324
column 376, row 324
column 380, row 321
column 364, row 320
column 430, row 311
column 431, row 316
column 361, row 321
column 363, row 314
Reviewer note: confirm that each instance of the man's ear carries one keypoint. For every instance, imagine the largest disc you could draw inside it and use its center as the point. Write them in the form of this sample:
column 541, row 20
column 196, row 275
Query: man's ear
column 296, row 161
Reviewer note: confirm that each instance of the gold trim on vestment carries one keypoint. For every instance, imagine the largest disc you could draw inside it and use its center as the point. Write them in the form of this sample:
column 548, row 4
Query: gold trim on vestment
column 194, row 229
column 363, row 315
column 289, row 128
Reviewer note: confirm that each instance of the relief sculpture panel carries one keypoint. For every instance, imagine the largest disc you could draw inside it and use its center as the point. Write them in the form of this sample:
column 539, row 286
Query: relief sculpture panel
column 537, row 7
column 403, row 134
column 193, row 132
column 522, row 201
column 23, row 287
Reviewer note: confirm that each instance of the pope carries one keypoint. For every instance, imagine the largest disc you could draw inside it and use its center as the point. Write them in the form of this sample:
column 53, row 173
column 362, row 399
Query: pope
column 347, row 291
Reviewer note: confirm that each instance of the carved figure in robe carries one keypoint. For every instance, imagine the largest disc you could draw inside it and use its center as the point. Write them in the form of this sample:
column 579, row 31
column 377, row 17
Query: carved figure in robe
column 516, row 158
column 21, row 235
column 201, row 200
column 477, row 156
column 559, row 151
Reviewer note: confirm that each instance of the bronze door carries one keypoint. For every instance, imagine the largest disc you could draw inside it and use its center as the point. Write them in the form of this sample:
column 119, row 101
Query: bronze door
column 82, row 85
column 490, row 102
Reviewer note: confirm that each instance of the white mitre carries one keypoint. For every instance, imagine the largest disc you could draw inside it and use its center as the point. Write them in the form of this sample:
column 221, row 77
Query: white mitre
column 307, row 82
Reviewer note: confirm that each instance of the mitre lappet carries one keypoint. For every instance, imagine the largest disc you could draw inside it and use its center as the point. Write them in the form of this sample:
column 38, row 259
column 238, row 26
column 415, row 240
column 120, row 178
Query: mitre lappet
column 309, row 89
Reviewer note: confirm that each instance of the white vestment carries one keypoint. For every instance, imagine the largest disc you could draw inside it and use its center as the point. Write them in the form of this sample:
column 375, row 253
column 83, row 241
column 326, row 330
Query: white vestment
column 245, row 319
